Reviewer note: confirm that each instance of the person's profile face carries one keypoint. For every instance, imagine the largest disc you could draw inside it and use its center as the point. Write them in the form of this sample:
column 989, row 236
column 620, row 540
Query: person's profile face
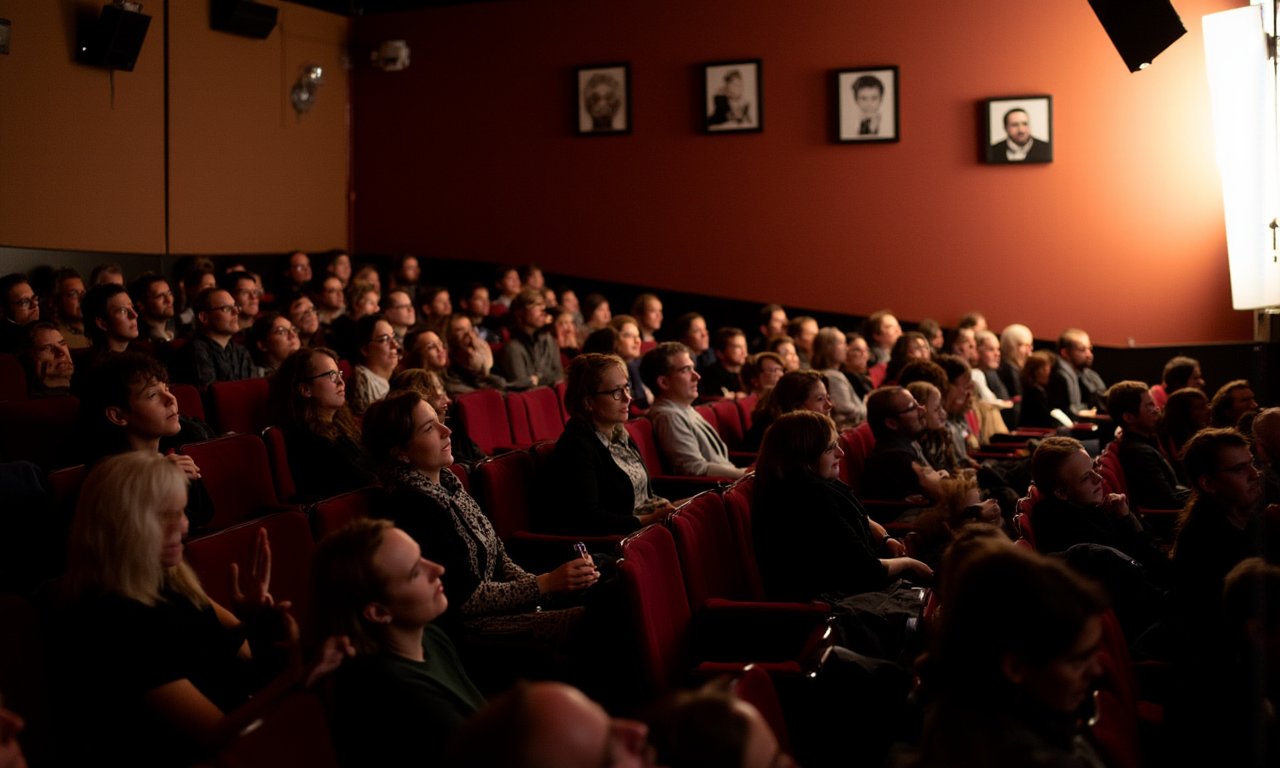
column 303, row 314
column 868, row 100
column 52, row 358
column 1080, row 484
column 1018, row 126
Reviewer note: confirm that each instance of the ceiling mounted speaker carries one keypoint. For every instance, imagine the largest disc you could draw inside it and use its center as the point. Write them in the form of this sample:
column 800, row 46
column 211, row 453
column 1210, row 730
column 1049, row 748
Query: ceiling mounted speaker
column 1140, row 29
column 114, row 39
column 243, row 17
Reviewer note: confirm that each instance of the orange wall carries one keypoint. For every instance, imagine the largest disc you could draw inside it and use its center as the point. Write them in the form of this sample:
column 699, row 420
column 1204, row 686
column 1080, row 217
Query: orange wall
column 470, row 153
column 246, row 176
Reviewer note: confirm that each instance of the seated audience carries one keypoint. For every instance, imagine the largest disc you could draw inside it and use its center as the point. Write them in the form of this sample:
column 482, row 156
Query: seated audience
column 796, row 391
column 601, row 483
column 367, row 273
column 376, row 360
column 329, row 295
column 109, row 318
column 761, row 372
column 405, row 271
column 960, row 505
column 153, row 301
column 773, row 322
column 428, row 384
column 711, row 728
column 302, row 313
column 362, row 300
column 406, row 682
column 936, row 443
column 566, row 333
column 973, row 320
column 991, row 389
column 830, row 351
column 1003, row 685
column 490, row 594
column 1074, row 387
column 1151, row 479
column 66, row 294
column 1073, row 508
column 474, row 303
column 46, row 360
column 211, row 355
column 337, row 264
column 531, row 277
column 297, row 275
column 803, row 330
column 196, row 277
column 1179, row 373
column 470, row 359
column 932, row 333
column 964, row 345
column 271, row 339
column 170, row 675
column 647, row 310
column 909, row 346
column 1232, row 400
column 1034, row 379
column 896, row 468
column 436, row 306
column 307, row 397
column 1185, row 413
column 109, row 273
column 785, row 347
column 508, row 286
column 627, row 346
column 691, row 330
column 247, row 294
column 881, row 331
column 399, row 312
column 690, row 444
column 21, row 308
column 530, row 358
column 1016, row 345
column 595, row 310
column 723, row 377
column 535, row 725
column 569, row 303
column 856, row 364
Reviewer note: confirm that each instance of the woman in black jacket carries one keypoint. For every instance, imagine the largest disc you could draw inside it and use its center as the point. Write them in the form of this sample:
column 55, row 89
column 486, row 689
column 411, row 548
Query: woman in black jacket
column 601, row 484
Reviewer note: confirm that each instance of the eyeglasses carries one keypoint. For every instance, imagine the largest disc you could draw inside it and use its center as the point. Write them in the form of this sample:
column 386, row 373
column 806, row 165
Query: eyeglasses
column 164, row 295
column 335, row 376
column 308, row 311
column 73, row 294
column 384, row 339
column 285, row 330
column 910, row 408
column 617, row 392
column 227, row 308
column 27, row 303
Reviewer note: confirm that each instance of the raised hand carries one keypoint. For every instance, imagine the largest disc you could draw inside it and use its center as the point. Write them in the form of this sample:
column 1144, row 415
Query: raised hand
column 258, row 597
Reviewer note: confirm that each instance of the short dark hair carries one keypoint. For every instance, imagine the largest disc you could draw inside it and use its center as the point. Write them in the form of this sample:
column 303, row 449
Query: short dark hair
column 924, row 370
column 880, row 409
column 1005, row 121
column 1177, row 372
column 872, row 326
column 970, row 320
column 388, row 424
column 102, row 270
column 867, row 81
column 140, row 287
column 792, row 445
column 1200, row 455
column 231, row 280
column 1125, row 397
column 108, row 383
column 725, row 335
column 601, row 342
column 1223, row 399
column 94, row 306
column 766, row 312
column 365, row 328
column 685, row 321
column 954, row 366
column 11, row 281
column 657, row 362
column 929, row 328
column 1048, row 460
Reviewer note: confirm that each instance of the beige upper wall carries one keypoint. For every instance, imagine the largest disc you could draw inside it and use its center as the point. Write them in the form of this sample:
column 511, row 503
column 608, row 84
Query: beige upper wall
column 246, row 176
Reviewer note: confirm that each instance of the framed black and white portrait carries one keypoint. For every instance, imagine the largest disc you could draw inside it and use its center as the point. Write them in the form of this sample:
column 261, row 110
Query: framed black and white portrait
column 604, row 100
column 732, row 96
column 1019, row 129
column 867, row 104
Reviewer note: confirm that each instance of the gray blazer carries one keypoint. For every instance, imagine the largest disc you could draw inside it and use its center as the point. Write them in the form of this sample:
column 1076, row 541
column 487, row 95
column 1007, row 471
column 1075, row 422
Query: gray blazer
column 690, row 445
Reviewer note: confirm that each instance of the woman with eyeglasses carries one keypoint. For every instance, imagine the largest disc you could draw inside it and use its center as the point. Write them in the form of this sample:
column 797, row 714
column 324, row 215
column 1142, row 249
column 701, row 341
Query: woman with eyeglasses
column 307, row 397
column 378, row 354
column 271, row 339
column 602, row 482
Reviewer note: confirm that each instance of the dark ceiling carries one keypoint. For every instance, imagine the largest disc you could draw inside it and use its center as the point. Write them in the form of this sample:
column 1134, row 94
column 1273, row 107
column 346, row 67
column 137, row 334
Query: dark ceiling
column 367, row 7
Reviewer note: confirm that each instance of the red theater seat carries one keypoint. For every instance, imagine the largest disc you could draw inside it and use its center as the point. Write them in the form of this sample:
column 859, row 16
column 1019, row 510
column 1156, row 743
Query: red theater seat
column 39, row 430
column 237, row 475
column 292, row 732
column 189, row 402
column 669, row 486
column 546, row 421
column 13, row 380
column 518, row 419
column 240, row 406
column 281, row 475
column 485, row 417
column 331, row 514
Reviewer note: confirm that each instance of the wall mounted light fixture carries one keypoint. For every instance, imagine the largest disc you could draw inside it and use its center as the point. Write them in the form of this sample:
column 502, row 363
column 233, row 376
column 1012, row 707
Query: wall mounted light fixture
column 304, row 92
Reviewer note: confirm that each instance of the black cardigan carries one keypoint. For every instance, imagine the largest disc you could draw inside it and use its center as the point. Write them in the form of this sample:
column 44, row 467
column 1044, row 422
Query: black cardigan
column 322, row 469
column 592, row 495
column 812, row 538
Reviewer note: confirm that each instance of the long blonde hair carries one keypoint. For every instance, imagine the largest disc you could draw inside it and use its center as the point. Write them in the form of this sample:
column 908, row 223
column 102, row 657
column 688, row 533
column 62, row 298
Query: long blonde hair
column 116, row 534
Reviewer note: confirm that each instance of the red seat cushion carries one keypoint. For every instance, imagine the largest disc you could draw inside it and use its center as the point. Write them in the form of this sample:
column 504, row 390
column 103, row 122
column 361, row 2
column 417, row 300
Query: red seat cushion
column 240, row 406
column 485, row 417
column 331, row 514
column 38, row 431
column 545, row 419
column 237, row 475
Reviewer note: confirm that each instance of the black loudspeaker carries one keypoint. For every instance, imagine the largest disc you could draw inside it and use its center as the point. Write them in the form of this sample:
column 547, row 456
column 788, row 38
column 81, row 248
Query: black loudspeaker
column 243, row 17
column 114, row 39
column 1140, row 29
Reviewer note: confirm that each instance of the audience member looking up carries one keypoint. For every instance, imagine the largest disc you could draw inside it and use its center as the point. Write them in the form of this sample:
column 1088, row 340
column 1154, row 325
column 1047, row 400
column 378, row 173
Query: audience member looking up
column 1230, row 402
column 490, row 594
column 367, row 273
column 64, row 301
column 909, row 346
column 110, row 320
column 21, row 307
column 830, row 351
column 338, row 264
column 405, row 272
column 773, row 322
column 691, row 330
column 965, row 345
column 1150, row 477
column 932, row 333
column 508, row 286
column 761, row 372
column 153, row 301
column 882, row 331
column 330, row 299
column 302, row 313
column 1074, row 387
column 271, row 339
column 595, row 312
column 211, row 355
column 723, row 377
column 474, row 302
column 406, row 682
column 803, row 330
column 530, row 358
column 297, row 274
column 436, row 305
column 785, row 347
column 376, row 360
column 647, row 310
column 247, row 294
column 399, row 312
column 690, row 444
column 46, row 360
column 896, row 469
column 531, row 277
column 105, row 274
column 308, row 398
column 602, row 483
column 429, row 385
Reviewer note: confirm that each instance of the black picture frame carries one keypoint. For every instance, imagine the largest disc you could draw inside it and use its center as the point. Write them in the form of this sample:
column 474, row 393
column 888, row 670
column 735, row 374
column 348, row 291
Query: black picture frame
column 722, row 110
column 1038, row 124
column 883, row 125
column 608, row 87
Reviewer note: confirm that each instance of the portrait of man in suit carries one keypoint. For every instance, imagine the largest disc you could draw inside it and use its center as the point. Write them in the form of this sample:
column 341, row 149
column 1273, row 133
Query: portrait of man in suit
column 1017, row 137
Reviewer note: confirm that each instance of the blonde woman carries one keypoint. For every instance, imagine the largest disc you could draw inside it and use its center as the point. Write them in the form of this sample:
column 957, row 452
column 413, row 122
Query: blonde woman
column 168, row 674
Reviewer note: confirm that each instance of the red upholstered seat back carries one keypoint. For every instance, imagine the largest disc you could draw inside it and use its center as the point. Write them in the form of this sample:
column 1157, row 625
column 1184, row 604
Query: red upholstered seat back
column 710, row 558
column 38, row 431
column 331, row 514
column 237, row 475
column 1108, row 465
column 641, row 431
column 13, row 380
column 744, row 410
column 877, row 373
column 240, row 406
column 757, row 689
column 281, row 475
column 651, row 577
column 546, row 422
column 189, row 402
column 708, row 413
column 504, row 484
column 737, row 504
column 485, row 417
column 64, row 487
column 854, row 456
column 542, row 456
column 289, row 535
column 518, row 419
column 460, row 472
column 1022, row 521
column 293, row 732
column 729, row 423
column 561, row 387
